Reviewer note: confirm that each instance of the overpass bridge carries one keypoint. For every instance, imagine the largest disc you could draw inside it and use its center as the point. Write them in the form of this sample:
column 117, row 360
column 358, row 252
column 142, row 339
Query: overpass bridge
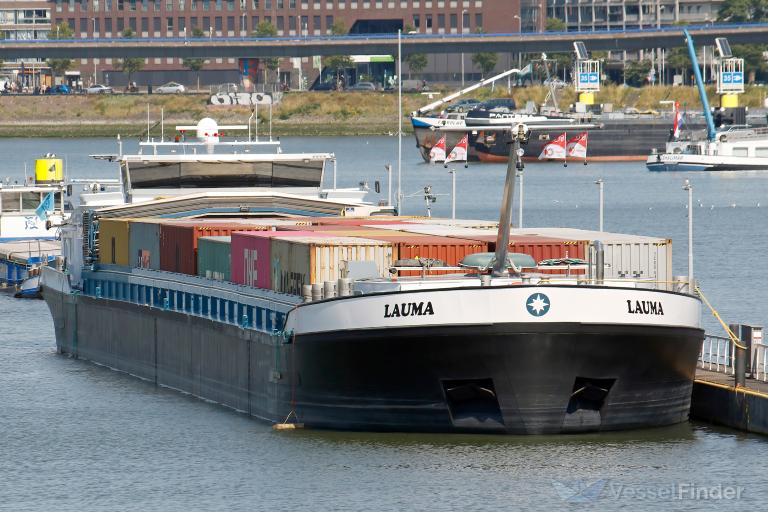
column 379, row 44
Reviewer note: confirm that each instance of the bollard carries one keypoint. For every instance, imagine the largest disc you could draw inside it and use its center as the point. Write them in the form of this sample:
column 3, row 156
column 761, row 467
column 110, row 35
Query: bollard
column 317, row 292
column 345, row 287
column 306, row 292
column 329, row 289
column 599, row 262
column 485, row 280
column 740, row 366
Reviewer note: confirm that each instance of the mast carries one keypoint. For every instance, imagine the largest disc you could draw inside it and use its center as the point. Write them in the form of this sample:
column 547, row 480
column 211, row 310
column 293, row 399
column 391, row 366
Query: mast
column 700, row 84
column 451, row 97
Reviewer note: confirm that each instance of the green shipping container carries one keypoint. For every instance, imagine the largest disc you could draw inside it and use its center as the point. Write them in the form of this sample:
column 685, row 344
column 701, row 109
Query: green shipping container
column 214, row 257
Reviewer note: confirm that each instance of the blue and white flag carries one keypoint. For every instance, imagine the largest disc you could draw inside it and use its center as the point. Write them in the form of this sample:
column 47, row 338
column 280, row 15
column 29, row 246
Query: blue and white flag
column 46, row 205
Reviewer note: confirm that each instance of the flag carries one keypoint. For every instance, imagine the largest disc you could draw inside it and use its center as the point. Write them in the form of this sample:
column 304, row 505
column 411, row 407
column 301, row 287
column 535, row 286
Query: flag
column 577, row 146
column 554, row 150
column 678, row 121
column 459, row 152
column 46, row 205
column 437, row 153
column 527, row 70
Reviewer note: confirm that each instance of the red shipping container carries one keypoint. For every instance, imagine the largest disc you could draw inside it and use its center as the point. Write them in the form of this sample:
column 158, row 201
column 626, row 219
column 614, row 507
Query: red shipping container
column 251, row 263
column 450, row 250
column 178, row 242
column 541, row 248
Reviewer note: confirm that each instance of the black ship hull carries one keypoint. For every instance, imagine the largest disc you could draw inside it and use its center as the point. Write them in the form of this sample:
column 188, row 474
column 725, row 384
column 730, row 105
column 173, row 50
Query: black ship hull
column 509, row 378
column 490, row 377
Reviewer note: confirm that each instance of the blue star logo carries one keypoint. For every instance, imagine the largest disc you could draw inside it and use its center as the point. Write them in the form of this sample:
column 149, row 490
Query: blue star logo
column 537, row 304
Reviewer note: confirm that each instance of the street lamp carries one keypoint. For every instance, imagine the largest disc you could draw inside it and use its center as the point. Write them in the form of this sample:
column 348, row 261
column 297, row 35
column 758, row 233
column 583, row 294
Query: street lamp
column 689, row 188
column 519, row 31
column 519, row 174
column 453, row 195
column 600, row 184
column 463, row 12
column 94, row 60
column 242, row 16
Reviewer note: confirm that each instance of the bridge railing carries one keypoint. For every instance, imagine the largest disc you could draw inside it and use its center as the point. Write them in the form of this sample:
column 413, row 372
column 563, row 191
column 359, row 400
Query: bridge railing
column 717, row 354
column 392, row 36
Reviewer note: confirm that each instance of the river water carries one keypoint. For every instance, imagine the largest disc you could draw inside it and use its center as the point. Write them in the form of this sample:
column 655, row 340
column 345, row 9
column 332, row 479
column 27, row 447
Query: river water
column 80, row 437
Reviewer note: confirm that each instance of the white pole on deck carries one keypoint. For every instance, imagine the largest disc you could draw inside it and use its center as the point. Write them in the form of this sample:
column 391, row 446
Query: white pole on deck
column 688, row 187
column 600, row 185
column 453, row 194
column 399, row 122
column 520, row 206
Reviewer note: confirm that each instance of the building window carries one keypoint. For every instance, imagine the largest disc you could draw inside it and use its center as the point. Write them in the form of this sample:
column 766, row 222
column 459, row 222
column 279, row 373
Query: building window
column 156, row 24
column 230, row 23
column 454, row 21
column 207, row 24
column 304, row 24
column 316, row 23
column 465, row 21
column 267, row 4
column 144, row 5
column 120, row 24
column 280, row 24
column 328, row 23
column 218, row 23
column 292, row 4
column 145, row 24
column 182, row 5
column 254, row 22
column 230, row 5
column 441, row 21
column 428, row 21
column 157, row 5
column 132, row 5
column 169, row 24
column 182, row 25
column 108, row 25
column 218, row 5
column 132, row 24
column 281, row 4
column 478, row 22
column 108, row 5
column 96, row 26
column 120, row 5
column 292, row 23
column 416, row 21
column 83, row 24
column 206, row 5
column 84, row 5
column 255, row 4
column 58, row 6
column 193, row 23
column 168, row 5
column 193, row 5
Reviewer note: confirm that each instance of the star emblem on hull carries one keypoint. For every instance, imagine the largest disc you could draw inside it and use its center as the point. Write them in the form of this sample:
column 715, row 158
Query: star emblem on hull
column 538, row 304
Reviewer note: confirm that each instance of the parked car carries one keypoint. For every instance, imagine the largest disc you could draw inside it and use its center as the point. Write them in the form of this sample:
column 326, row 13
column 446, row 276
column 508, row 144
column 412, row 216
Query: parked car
column 170, row 88
column 464, row 105
column 363, row 86
column 59, row 89
column 325, row 86
column 99, row 89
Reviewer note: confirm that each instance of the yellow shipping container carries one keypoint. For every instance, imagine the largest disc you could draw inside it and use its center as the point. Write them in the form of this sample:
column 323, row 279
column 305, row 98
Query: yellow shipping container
column 114, row 241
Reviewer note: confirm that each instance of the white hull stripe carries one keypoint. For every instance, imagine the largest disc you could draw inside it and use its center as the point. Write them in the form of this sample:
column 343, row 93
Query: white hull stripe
column 482, row 306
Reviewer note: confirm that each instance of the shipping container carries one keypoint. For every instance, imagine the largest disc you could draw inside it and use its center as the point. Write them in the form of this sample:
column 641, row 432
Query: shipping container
column 633, row 256
column 251, row 258
column 360, row 221
column 297, row 261
column 144, row 243
column 214, row 257
column 178, row 241
column 114, row 240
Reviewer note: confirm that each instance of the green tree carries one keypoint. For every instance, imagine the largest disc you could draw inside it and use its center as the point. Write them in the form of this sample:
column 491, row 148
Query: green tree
column 195, row 65
column 678, row 61
column 130, row 65
column 60, row 31
column 555, row 25
column 267, row 29
column 636, row 73
column 754, row 59
column 743, row 10
column 198, row 32
column 486, row 61
column 416, row 63
column 338, row 63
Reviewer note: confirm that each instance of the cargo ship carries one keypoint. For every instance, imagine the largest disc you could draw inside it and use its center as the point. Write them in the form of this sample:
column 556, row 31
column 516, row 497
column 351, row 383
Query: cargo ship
column 310, row 307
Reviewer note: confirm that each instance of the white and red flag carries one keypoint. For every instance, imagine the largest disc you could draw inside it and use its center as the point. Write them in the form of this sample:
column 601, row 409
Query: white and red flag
column 459, row 152
column 437, row 153
column 554, row 150
column 577, row 146
column 678, row 121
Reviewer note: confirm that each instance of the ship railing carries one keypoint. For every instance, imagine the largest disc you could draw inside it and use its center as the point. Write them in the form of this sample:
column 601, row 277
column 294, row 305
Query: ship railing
column 246, row 307
column 717, row 353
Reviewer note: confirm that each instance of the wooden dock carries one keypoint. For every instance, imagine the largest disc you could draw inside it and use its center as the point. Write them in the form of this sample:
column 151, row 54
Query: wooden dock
column 17, row 257
column 716, row 399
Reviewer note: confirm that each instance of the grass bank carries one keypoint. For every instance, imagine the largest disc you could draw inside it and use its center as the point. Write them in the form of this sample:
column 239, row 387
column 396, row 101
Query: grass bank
column 298, row 114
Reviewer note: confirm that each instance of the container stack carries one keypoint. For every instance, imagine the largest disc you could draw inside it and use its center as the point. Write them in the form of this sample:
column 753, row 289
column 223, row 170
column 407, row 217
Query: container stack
column 287, row 254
